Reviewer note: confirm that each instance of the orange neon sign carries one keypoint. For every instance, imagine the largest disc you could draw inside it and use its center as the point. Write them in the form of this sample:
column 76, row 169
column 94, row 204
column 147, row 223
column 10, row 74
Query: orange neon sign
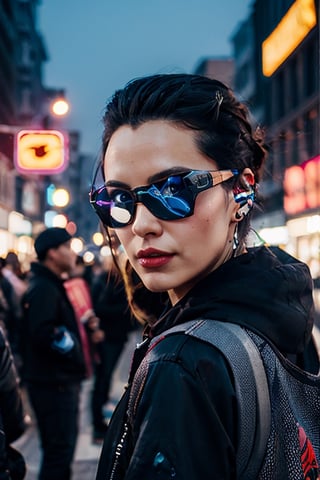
column 40, row 151
column 288, row 34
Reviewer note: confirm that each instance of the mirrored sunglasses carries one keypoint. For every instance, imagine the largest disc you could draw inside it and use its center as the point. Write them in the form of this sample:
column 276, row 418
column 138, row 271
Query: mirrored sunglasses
column 172, row 198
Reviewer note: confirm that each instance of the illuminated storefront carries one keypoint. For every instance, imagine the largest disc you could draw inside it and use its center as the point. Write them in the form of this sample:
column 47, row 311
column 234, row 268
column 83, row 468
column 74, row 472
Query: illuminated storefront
column 302, row 206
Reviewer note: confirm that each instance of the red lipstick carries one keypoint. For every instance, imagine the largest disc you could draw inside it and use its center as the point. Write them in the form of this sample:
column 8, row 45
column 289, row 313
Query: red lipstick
column 153, row 258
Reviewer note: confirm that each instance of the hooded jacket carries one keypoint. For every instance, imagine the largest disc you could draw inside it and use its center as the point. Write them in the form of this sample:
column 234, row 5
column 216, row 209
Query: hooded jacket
column 47, row 308
column 183, row 419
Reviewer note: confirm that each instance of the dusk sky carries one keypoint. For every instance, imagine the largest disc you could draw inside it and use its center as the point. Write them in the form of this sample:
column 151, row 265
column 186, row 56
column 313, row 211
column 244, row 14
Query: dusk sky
column 96, row 46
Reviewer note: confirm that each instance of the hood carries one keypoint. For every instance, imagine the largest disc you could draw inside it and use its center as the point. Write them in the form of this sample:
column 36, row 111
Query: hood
column 265, row 290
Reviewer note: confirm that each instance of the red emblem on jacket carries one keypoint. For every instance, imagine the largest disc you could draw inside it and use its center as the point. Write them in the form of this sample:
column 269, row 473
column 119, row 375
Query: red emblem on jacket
column 308, row 459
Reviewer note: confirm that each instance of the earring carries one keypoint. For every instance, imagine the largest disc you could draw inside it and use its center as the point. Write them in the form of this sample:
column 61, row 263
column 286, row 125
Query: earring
column 244, row 210
column 235, row 239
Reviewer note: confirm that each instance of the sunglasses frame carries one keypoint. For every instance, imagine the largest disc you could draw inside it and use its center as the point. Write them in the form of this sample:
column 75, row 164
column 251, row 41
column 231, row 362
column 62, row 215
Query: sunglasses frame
column 195, row 182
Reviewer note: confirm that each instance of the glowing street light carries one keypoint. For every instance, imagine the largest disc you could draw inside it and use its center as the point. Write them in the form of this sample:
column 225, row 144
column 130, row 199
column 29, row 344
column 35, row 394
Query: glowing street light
column 60, row 107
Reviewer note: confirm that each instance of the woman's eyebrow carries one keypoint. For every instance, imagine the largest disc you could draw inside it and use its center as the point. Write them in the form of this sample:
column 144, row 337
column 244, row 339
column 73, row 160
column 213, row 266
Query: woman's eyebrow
column 116, row 183
column 153, row 178
column 166, row 173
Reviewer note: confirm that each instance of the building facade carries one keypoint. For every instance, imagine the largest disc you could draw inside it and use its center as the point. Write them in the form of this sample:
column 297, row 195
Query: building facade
column 25, row 104
column 219, row 68
column 22, row 54
column 280, row 77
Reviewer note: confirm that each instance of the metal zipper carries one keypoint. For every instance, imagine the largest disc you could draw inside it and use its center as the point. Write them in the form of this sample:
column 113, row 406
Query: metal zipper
column 119, row 451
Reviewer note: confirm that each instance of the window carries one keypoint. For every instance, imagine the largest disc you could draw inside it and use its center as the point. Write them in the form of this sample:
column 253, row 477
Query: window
column 310, row 70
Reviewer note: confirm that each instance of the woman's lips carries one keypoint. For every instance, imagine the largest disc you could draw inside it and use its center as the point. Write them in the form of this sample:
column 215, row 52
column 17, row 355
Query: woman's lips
column 152, row 258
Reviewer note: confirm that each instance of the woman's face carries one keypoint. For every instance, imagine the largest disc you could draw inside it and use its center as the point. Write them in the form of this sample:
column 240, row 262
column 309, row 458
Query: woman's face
column 170, row 255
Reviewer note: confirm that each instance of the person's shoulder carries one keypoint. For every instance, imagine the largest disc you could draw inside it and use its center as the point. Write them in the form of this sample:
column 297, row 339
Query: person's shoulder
column 186, row 350
column 41, row 285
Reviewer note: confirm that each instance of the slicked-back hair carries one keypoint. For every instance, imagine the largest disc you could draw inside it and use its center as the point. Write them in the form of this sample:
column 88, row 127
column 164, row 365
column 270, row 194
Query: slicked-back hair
column 224, row 132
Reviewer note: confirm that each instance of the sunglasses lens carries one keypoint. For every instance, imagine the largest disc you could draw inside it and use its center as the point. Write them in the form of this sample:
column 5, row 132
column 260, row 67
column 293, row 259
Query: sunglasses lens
column 162, row 206
column 121, row 207
column 114, row 210
column 101, row 205
column 176, row 197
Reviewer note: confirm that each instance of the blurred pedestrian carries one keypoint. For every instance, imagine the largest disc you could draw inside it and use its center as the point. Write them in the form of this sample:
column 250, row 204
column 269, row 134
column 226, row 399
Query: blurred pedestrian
column 111, row 306
column 13, row 272
column 6, row 302
column 12, row 418
column 53, row 359
column 79, row 294
column 181, row 163
column 13, row 284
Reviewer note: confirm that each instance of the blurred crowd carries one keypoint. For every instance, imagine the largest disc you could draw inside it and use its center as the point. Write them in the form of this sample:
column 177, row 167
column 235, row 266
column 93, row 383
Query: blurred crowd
column 101, row 325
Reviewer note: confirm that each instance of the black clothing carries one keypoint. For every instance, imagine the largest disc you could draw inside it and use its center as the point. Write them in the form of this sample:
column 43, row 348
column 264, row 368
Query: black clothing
column 111, row 306
column 53, row 375
column 58, row 432
column 184, row 420
column 47, row 307
column 12, row 423
column 109, row 354
column 10, row 314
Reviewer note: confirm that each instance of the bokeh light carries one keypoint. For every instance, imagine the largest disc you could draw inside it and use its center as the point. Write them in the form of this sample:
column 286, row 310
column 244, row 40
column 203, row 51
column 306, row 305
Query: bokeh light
column 77, row 245
column 60, row 197
column 88, row 257
column 60, row 220
column 98, row 239
column 60, row 107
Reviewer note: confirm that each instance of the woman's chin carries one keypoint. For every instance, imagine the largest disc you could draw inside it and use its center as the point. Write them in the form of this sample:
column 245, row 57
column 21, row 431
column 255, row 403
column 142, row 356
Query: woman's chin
column 155, row 285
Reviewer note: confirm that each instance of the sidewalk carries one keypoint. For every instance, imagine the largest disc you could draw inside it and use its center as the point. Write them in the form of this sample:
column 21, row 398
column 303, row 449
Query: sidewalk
column 87, row 454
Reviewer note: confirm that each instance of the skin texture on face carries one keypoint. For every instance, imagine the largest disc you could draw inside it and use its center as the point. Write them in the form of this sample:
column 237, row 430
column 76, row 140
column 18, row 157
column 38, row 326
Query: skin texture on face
column 170, row 255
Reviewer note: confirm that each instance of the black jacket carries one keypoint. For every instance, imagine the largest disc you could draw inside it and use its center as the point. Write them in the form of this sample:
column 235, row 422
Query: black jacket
column 46, row 307
column 111, row 306
column 12, row 423
column 185, row 419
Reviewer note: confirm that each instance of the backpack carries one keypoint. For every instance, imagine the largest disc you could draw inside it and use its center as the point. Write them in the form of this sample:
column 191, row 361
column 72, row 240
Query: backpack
column 279, row 404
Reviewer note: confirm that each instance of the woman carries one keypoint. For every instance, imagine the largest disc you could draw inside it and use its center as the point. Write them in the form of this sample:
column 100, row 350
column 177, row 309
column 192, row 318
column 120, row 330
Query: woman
column 181, row 164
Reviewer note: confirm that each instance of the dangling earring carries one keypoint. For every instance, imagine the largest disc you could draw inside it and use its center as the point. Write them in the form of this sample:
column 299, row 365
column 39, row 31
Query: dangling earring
column 235, row 239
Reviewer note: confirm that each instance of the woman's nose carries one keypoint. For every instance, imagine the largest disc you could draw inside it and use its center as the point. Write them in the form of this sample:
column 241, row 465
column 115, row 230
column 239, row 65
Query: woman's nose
column 145, row 222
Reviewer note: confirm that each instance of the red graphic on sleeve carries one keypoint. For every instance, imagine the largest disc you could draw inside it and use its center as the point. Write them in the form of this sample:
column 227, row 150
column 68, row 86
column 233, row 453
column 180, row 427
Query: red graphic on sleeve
column 309, row 463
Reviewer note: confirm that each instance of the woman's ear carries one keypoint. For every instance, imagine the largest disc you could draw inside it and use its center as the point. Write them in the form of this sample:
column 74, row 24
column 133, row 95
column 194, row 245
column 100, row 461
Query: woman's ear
column 247, row 177
column 244, row 193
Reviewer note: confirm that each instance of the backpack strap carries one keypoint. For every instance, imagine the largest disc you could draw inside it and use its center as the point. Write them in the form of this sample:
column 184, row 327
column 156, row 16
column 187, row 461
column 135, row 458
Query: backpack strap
column 251, row 387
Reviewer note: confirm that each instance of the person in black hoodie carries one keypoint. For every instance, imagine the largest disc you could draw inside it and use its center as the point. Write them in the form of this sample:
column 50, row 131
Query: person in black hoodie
column 181, row 165
column 53, row 361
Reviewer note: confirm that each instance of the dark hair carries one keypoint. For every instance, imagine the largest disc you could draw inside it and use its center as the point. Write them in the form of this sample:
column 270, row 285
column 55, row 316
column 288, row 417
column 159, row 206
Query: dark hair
column 206, row 106
column 199, row 103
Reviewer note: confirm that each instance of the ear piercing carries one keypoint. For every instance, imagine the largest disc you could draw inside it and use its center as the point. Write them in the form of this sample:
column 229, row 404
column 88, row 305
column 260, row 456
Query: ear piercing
column 244, row 210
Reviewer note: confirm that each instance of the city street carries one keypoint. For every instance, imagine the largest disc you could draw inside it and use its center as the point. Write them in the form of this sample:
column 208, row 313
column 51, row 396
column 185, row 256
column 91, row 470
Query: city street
column 87, row 454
